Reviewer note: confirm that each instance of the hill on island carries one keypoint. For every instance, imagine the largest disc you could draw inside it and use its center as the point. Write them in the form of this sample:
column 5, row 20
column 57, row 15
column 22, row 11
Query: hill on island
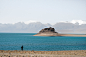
column 47, row 32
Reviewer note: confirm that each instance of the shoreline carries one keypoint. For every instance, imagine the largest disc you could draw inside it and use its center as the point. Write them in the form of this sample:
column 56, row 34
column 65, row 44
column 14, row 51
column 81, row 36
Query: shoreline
column 51, row 32
column 74, row 53
column 55, row 34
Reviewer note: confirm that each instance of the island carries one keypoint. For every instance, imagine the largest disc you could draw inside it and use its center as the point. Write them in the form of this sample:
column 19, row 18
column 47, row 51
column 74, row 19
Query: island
column 51, row 32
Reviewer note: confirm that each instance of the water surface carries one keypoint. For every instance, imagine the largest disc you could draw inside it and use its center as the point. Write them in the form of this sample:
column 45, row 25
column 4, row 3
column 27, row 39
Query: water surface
column 14, row 41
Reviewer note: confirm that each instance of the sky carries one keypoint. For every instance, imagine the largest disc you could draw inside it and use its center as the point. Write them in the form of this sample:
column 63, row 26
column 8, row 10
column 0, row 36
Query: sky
column 45, row 11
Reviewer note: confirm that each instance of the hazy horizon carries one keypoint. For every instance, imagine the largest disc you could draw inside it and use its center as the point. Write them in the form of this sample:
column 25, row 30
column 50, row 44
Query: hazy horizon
column 35, row 27
column 80, row 22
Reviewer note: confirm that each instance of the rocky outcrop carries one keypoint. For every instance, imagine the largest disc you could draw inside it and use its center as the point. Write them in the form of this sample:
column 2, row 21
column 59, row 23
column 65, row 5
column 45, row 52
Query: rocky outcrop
column 48, row 30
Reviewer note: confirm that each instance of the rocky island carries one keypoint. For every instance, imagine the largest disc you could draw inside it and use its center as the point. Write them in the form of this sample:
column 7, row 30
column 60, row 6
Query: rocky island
column 47, row 32
column 51, row 32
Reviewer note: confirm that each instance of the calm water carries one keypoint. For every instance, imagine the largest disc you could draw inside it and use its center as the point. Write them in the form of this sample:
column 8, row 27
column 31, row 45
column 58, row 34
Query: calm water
column 14, row 41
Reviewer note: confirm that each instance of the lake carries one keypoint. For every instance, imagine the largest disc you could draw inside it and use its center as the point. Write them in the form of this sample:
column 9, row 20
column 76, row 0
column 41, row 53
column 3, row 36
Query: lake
column 14, row 41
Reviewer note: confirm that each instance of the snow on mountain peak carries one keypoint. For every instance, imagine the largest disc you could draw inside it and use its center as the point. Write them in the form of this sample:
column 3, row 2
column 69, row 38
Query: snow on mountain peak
column 78, row 21
column 31, row 21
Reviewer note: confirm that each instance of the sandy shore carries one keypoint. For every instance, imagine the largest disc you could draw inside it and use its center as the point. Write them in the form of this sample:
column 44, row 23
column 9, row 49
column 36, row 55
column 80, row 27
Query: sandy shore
column 15, row 53
column 73, row 35
column 55, row 34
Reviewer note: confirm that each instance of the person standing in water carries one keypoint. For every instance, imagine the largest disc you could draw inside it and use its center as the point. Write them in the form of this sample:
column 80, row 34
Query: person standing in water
column 22, row 47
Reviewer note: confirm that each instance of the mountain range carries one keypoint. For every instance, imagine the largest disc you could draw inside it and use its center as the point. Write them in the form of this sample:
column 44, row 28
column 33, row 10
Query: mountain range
column 35, row 27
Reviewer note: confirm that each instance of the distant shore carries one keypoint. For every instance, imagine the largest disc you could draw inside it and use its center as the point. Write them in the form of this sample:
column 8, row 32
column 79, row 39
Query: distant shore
column 55, row 34
column 51, row 32
column 72, row 53
column 76, row 35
